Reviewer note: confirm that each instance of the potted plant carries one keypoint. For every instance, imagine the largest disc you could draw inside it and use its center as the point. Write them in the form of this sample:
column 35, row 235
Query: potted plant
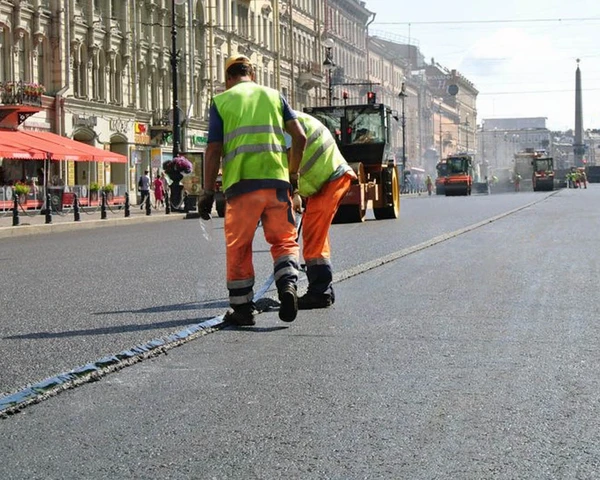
column 176, row 169
column 94, row 189
column 109, row 189
column 21, row 191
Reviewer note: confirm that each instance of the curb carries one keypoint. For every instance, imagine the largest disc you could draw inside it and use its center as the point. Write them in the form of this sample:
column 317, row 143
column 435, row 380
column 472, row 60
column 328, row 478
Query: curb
column 26, row 230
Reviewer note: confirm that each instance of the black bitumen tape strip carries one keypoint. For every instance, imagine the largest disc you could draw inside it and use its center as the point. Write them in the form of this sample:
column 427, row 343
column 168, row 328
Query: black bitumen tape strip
column 51, row 386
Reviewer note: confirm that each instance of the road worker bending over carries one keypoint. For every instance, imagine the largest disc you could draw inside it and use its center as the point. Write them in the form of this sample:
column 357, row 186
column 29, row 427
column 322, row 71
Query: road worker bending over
column 324, row 177
column 246, row 134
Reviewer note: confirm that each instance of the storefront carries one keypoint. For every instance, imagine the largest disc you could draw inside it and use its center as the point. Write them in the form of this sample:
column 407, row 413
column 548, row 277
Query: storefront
column 34, row 159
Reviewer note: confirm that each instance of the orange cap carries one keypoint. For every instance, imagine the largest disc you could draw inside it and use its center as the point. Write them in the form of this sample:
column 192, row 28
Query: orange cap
column 235, row 59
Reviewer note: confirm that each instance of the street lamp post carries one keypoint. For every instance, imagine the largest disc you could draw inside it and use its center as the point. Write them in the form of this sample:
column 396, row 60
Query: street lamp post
column 329, row 65
column 403, row 96
column 174, row 187
column 174, row 60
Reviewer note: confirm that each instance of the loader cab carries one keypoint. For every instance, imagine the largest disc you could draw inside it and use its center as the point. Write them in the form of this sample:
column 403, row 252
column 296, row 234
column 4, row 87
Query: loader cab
column 362, row 132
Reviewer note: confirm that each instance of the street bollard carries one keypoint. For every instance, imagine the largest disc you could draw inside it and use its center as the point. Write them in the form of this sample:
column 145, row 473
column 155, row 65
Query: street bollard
column 167, row 202
column 48, row 209
column 103, row 207
column 15, row 215
column 127, row 205
column 76, row 213
column 148, row 205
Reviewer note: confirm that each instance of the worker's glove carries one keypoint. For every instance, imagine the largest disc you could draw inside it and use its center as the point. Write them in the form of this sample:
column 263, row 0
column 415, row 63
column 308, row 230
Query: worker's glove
column 205, row 203
column 297, row 202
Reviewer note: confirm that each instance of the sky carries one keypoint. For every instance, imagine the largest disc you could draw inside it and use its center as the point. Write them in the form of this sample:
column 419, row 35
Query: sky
column 520, row 55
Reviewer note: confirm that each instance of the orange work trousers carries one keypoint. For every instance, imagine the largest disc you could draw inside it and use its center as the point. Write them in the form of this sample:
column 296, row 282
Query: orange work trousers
column 273, row 207
column 318, row 215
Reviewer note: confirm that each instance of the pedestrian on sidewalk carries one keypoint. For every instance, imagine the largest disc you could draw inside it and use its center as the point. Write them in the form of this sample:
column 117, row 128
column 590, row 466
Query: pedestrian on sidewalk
column 144, row 188
column 159, row 191
column 324, row 177
column 246, row 127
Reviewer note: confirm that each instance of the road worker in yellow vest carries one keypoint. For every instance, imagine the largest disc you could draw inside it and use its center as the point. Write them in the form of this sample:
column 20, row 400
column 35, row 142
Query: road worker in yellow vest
column 324, row 177
column 246, row 140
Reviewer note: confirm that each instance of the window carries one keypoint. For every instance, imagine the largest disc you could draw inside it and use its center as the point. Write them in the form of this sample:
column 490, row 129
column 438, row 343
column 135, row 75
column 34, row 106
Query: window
column 40, row 74
column 22, row 55
column 4, row 74
column 243, row 21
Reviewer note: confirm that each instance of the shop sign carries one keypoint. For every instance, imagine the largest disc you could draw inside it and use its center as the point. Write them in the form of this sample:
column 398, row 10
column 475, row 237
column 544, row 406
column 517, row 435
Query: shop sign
column 84, row 120
column 140, row 133
column 119, row 126
column 200, row 140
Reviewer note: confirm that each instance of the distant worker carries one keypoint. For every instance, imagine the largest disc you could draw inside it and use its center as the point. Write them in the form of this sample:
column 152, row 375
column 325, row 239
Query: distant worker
column 246, row 131
column 583, row 178
column 324, row 177
column 573, row 178
column 569, row 178
column 518, row 182
column 429, row 185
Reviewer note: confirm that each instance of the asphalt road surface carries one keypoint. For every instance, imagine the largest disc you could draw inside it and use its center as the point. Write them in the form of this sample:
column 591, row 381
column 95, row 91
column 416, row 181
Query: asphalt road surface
column 463, row 344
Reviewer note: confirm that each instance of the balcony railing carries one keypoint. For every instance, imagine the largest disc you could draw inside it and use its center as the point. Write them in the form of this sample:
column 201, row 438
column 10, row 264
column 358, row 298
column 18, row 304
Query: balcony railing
column 21, row 93
column 310, row 75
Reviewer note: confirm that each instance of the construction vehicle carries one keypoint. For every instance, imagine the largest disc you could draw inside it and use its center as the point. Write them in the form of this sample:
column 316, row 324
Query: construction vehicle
column 363, row 134
column 442, row 170
column 459, row 175
column 543, row 172
column 523, row 167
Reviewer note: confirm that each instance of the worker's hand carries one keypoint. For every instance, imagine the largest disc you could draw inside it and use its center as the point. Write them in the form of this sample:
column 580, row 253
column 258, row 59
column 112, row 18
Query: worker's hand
column 205, row 204
column 297, row 202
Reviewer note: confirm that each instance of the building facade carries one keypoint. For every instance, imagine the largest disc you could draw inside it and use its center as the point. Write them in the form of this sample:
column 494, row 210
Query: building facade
column 109, row 68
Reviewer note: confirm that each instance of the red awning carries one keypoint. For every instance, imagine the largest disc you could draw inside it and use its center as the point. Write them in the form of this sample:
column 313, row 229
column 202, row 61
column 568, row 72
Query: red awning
column 98, row 154
column 29, row 145
column 10, row 148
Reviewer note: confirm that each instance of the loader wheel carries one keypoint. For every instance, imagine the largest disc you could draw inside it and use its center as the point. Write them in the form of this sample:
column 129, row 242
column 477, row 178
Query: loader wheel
column 392, row 211
column 349, row 214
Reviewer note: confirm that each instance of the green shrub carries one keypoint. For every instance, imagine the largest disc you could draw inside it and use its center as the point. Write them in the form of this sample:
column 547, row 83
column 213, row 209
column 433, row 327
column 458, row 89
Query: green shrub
column 21, row 189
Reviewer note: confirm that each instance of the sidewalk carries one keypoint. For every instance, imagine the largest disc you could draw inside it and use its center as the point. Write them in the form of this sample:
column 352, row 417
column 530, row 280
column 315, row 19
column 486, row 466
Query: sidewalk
column 32, row 222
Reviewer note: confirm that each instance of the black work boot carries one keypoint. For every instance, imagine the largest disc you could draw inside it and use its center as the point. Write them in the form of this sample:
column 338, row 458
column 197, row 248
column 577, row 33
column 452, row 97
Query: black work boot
column 289, row 303
column 241, row 315
column 310, row 300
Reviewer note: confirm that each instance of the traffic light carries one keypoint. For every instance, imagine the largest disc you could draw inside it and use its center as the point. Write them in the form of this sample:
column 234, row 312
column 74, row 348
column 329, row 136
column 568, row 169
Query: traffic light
column 345, row 95
column 371, row 98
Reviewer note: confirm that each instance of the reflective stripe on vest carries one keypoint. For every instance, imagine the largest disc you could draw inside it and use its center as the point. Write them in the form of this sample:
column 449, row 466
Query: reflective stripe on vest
column 253, row 142
column 321, row 157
